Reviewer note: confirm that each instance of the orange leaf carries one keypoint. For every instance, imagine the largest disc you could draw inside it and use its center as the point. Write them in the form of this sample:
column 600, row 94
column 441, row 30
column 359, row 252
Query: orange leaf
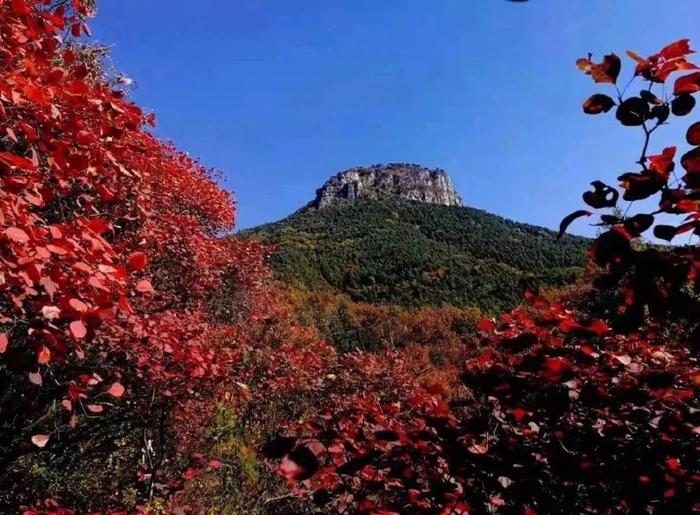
column 605, row 72
column 44, row 355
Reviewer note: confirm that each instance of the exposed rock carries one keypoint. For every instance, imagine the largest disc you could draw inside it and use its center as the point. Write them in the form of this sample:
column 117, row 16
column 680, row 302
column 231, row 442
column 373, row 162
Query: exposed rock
column 409, row 181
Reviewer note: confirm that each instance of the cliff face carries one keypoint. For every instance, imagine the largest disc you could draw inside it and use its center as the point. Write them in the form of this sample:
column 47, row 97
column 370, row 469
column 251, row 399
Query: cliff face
column 409, row 181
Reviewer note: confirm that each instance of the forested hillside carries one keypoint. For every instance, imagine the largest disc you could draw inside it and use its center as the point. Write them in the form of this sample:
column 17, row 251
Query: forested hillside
column 397, row 251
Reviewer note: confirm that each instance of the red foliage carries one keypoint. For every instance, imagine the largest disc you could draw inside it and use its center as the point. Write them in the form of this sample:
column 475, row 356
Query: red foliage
column 84, row 187
column 564, row 416
column 110, row 249
column 660, row 281
column 567, row 413
column 111, row 261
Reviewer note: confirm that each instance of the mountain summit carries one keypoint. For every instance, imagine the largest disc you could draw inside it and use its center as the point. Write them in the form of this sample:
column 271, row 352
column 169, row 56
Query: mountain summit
column 399, row 235
column 407, row 181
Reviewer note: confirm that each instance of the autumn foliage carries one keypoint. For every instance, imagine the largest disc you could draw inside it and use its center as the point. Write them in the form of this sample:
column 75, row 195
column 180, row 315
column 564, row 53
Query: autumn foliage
column 563, row 417
column 147, row 359
column 587, row 405
column 661, row 283
column 110, row 249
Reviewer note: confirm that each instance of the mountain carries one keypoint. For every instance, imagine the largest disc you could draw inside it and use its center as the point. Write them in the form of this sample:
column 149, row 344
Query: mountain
column 399, row 234
column 411, row 182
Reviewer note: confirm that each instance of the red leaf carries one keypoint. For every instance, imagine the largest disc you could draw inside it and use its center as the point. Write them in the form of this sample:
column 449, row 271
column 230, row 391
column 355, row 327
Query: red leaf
column 497, row 501
column 437, row 388
column 663, row 163
column 598, row 327
column 289, row 468
column 105, row 193
column 78, row 305
column 479, row 448
column 20, row 7
column 190, row 473
column 125, row 306
column 95, row 408
column 687, row 84
column 677, row 49
column 566, row 221
column 486, row 325
column 77, row 329
column 556, row 365
column 691, row 161
column 14, row 161
column 116, row 390
column 55, row 249
column 144, row 286
column 519, row 414
column 79, row 7
column 137, row 261
column 3, row 342
column 74, row 392
column 40, row 440
column 674, row 464
column 17, row 234
column 693, row 134
column 659, row 66
column 597, row 104
column 98, row 225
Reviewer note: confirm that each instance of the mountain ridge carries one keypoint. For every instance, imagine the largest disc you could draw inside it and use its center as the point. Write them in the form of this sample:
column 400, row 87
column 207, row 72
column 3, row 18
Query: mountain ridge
column 383, row 248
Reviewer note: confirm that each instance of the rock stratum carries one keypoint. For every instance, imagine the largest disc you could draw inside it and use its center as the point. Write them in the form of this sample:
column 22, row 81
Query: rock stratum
column 406, row 181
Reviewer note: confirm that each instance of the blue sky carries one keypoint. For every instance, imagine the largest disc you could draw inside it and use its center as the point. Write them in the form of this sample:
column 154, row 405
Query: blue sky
column 281, row 94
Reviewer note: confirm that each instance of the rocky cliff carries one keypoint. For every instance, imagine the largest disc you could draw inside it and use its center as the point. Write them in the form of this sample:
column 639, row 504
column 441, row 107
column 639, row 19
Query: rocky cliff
column 409, row 181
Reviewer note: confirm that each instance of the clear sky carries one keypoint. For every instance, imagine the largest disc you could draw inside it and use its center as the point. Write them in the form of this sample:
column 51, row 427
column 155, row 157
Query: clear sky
column 281, row 94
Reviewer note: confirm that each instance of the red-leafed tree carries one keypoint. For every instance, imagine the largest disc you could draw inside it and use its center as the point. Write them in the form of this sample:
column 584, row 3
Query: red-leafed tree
column 656, row 282
column 111, row 260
